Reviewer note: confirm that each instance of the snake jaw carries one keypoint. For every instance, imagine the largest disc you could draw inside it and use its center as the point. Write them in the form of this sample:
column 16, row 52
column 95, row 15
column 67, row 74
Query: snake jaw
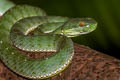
column 78, row 26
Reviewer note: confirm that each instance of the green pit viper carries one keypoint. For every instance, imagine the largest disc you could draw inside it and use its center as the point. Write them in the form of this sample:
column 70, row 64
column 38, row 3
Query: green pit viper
column 49, row 34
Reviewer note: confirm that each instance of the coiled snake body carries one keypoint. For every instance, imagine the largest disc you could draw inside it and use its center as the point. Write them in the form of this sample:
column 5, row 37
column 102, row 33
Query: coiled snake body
column 49, row 34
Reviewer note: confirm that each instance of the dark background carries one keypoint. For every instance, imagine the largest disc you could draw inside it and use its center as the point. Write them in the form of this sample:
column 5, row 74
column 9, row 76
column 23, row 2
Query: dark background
column 106, row 12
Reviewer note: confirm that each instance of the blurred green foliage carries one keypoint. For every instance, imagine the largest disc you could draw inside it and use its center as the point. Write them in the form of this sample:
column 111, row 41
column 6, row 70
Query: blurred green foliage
column 105, row 12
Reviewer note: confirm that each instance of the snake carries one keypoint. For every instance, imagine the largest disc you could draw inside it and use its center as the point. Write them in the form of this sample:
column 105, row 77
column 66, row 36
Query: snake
column 28, row 28
column 5, row 5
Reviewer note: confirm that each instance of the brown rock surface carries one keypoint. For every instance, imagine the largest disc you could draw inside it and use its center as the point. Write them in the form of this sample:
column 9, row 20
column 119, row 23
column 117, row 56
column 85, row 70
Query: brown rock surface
column 87, row 64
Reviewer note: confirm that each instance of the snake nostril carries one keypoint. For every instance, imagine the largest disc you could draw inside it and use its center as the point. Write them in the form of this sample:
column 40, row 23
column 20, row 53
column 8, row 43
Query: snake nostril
column 82, row 24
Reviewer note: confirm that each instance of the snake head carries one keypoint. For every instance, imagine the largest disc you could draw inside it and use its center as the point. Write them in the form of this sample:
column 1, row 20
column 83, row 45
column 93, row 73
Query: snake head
column 78, row 26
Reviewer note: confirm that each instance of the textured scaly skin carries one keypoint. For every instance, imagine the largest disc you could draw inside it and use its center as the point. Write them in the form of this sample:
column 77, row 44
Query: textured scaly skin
column 49, row 33
column 5, row 5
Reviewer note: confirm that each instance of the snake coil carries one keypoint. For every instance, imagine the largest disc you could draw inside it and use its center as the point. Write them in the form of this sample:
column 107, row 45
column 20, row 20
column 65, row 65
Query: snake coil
column 49, row 34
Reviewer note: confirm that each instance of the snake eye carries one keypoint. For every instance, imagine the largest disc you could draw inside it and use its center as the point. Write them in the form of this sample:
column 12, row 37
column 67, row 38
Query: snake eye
column 82, row 24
